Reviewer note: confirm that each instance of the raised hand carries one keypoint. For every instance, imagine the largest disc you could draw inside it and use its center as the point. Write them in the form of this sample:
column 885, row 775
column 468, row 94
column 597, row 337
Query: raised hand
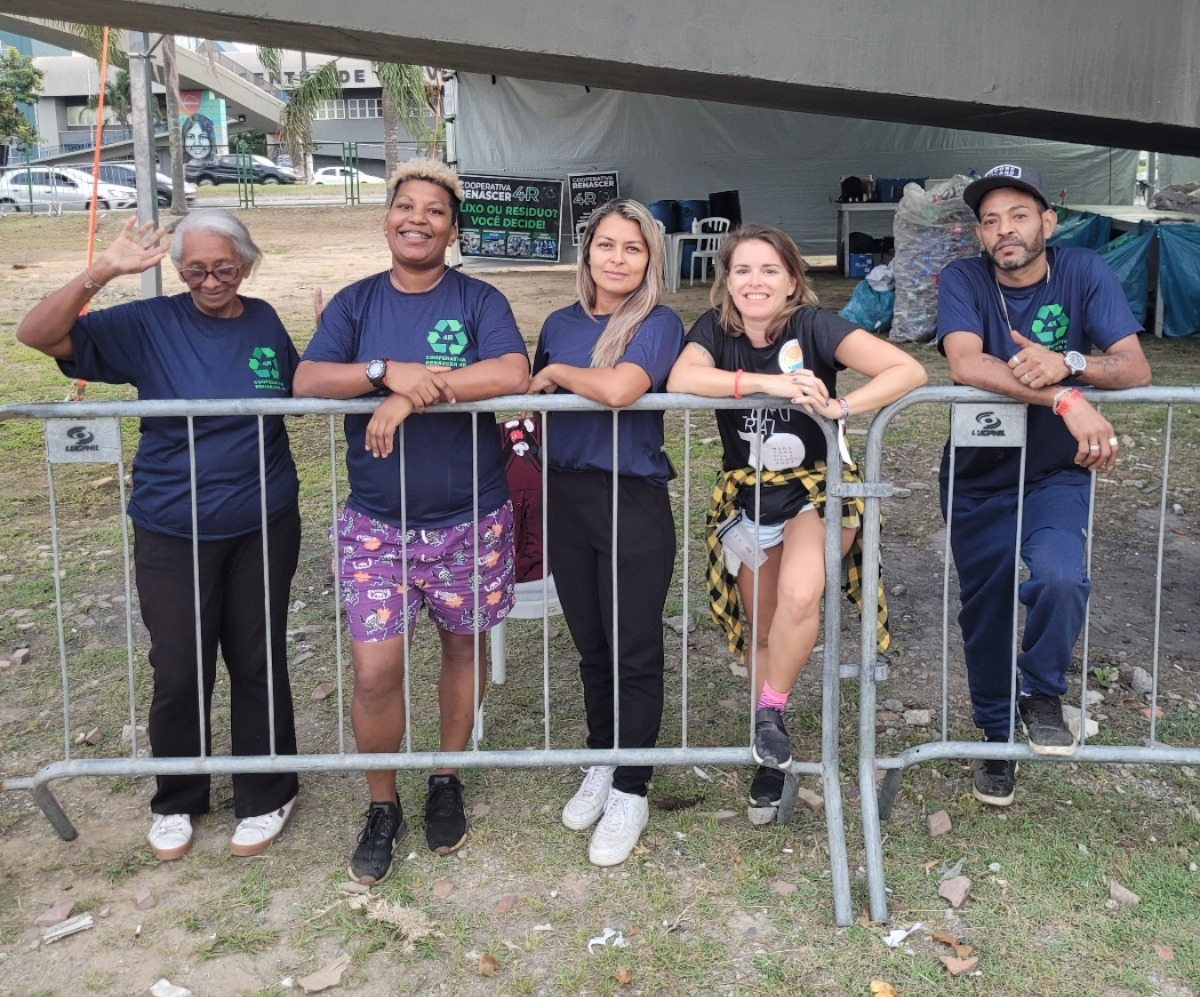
column 136, row 249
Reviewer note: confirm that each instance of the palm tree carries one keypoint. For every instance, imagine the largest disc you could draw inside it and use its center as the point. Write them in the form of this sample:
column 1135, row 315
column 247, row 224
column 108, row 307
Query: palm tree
column 407, row 100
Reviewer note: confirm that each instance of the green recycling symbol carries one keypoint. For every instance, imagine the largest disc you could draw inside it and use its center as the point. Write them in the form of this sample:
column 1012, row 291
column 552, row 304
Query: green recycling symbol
column 448, row 336
column 262, row 362
column 1050, row 326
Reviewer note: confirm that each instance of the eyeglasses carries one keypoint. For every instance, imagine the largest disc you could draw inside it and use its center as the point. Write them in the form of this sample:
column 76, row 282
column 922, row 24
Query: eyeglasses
column 227, row 273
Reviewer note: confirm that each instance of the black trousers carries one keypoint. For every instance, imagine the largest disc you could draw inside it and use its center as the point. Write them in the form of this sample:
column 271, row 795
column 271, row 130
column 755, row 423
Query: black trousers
column 231, row 616
column 579, row 549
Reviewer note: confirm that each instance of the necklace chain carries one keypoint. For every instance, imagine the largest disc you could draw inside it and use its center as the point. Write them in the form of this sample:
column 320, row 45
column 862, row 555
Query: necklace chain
column 1000, row 291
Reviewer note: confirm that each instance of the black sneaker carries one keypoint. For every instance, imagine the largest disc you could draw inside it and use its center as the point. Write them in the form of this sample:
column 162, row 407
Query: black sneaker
column 1048, row 733
column 372, row 859
column 445, row 819
column 766, row 789
column 772, row 746
column 994, row 779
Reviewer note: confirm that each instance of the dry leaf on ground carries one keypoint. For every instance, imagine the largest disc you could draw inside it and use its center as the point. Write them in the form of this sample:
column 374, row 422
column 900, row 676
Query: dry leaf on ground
column 959, row 967
column 488, row 965
column 623, row 976
column 327, row 976
column 1164, row 952
column 880, row 988
column 960, row 950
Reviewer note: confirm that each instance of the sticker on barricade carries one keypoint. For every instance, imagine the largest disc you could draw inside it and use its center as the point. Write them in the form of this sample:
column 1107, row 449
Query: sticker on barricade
column 982, row 424
column 83, row 441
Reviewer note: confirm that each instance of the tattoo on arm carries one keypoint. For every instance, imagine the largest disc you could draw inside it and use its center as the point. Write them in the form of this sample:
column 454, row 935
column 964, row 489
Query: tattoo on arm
column 704, row 353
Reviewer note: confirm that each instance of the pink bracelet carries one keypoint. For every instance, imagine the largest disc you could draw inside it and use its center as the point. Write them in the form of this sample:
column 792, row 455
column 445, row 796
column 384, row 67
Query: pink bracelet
column 845, row 407
column 737, row 376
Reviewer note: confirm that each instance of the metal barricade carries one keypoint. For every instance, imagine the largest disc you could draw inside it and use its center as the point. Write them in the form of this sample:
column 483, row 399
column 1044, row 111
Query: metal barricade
column 91, row 431
column 968, row 405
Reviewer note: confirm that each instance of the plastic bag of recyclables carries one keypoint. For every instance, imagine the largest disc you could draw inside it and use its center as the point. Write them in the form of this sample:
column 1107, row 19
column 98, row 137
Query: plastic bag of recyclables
column 932, row 228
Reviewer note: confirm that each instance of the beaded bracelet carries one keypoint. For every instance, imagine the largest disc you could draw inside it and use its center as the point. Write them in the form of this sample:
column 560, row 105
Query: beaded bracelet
column 845, row 405
column 737, row 376
column 1071, row 397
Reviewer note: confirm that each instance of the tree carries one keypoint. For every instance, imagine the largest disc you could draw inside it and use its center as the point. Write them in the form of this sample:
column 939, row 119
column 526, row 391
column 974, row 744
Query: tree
column 407, row 100
column 174, row 134
column 118, row 101
column 20, row 83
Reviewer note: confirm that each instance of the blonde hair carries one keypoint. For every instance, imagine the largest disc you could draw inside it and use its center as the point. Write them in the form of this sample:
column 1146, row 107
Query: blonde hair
column 632, row 311
column 431, row 170
column 789, row 253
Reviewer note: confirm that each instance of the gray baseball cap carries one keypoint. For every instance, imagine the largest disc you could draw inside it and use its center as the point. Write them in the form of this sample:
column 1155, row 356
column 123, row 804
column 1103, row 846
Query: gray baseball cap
column 1016, row 175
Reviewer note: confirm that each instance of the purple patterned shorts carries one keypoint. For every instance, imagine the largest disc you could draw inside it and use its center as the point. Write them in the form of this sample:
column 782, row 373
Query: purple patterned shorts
column 376, row 560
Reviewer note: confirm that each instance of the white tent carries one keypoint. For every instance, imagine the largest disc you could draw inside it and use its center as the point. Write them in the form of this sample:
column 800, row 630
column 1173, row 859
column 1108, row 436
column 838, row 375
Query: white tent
column 786, row 166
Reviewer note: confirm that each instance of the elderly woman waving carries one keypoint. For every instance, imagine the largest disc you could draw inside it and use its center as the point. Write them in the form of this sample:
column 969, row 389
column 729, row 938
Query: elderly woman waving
column 208, row 342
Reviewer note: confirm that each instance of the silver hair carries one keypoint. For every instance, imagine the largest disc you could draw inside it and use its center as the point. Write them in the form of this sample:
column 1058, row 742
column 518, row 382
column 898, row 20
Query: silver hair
column 218, row 222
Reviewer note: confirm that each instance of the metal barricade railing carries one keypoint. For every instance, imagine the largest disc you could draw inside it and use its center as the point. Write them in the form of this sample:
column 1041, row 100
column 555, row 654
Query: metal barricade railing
column 91, row 431
column 967, row 404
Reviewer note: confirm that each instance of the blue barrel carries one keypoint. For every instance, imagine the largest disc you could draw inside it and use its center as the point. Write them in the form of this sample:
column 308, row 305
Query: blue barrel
column 691, row 211
column 667, row 212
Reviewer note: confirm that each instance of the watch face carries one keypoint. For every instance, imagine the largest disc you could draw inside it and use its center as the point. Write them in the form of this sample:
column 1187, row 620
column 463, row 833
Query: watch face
column 376, row 370
column 1076, row 361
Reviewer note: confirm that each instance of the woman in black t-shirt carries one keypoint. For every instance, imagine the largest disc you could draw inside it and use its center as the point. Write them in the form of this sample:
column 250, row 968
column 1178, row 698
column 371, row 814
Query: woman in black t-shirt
column 765, row 335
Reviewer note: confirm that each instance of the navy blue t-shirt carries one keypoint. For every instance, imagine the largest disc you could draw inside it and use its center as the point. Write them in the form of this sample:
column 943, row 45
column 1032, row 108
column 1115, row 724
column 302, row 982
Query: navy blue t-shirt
column 459, row 322
column 168, row 349
column 582, row 441
column 1079, row 307
column 810, row 341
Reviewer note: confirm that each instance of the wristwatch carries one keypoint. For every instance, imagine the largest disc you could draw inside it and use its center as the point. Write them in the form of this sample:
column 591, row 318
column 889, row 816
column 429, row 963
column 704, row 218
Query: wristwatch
column 376, row 372
column 1076, row 361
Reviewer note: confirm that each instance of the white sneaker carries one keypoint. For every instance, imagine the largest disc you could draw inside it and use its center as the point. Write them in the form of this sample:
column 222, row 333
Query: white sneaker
column 255, row 834
column 625, row 816
column 585, row 807
column 170, row 836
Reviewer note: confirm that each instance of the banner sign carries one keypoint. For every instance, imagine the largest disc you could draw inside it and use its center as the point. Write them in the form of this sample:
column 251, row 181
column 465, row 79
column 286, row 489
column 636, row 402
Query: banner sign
column 510, row 218
column 587, row 191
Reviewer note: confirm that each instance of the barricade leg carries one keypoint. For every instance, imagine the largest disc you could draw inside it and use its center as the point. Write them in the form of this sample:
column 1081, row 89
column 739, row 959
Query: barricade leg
column 54, row 813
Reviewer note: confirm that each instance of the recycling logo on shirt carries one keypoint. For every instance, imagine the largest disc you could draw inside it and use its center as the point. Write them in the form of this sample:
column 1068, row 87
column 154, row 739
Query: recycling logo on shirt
column 1050, row 327
column 264, row 364
column 448, row 341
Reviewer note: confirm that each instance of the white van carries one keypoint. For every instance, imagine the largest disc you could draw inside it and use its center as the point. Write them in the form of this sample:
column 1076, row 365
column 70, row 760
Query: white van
column 58, row 188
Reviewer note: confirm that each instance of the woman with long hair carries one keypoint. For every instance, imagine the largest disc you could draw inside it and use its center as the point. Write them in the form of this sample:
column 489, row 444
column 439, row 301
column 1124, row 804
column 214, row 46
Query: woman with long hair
column 612, row 346
column 765, row 335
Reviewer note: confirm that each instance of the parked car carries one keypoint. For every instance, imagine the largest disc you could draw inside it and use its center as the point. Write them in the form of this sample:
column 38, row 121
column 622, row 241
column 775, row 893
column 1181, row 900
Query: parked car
column 340, row 174
column 51, row 188
column 125, row 174
column 224, row 169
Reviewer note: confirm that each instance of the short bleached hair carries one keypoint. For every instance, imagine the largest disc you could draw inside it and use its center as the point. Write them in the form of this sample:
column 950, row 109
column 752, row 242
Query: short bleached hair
column 432, row 170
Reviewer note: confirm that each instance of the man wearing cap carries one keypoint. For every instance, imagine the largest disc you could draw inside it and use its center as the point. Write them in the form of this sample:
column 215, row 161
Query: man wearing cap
column 1023, row 321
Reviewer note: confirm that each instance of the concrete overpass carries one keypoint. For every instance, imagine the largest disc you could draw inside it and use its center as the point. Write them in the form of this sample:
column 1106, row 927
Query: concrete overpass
column 1095, row 71
column 248, row 104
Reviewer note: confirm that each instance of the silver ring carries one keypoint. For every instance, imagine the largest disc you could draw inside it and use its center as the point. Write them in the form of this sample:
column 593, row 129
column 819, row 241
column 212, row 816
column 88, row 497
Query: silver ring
column 1094, row 446
column 1112, row 441
column 1024, row 377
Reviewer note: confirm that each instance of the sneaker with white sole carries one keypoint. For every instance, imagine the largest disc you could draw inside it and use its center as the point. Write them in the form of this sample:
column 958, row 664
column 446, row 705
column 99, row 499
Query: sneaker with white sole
column 170, row 836
column 255, row 834
column 585, row 807
column 625, row 816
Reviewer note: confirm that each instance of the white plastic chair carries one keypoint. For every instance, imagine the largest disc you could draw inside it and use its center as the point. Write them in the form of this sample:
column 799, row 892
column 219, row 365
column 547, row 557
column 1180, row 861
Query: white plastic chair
column 529, row 606
column 707, row 249
column 666, row 251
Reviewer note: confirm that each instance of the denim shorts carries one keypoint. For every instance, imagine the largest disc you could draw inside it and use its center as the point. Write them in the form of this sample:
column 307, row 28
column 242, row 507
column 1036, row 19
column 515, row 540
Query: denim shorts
column 386, row 575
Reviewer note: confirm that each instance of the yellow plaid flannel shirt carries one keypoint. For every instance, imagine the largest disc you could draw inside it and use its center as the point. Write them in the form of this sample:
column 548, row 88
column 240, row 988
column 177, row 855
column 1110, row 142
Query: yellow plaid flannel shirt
column 722, row 586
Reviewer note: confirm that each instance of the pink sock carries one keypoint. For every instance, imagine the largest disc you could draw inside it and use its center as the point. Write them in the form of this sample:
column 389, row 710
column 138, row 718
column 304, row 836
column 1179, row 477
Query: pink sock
column 770, row 699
